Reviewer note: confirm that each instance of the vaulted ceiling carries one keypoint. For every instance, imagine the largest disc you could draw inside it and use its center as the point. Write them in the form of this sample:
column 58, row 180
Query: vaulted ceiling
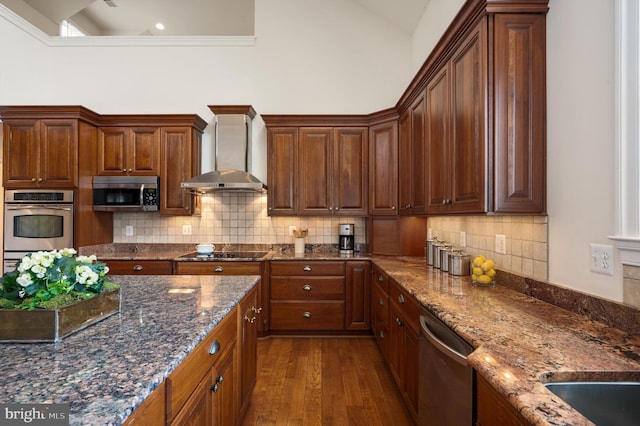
column 187, row 17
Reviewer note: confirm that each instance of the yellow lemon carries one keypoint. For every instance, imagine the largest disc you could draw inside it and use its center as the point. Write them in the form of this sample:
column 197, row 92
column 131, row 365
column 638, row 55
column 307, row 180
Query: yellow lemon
column 487, row 265
column 491, row 273
column 484, row 279
column 479, row 260
column 477, row 271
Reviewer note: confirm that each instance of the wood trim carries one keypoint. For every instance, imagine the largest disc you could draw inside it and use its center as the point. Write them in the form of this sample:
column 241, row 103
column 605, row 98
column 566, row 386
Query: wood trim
column 233, row 109
column 301, row 120
column 39, row 112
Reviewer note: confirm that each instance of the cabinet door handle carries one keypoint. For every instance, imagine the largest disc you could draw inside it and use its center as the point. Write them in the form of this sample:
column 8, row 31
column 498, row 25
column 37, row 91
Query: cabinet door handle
column 214, row 388
column 399, row 322
column 33, row 179
column 307, row 315
column 137, row 267
column 215, row 348
column 256, row 310
column 124, row 170
column 337, row 208
column 381, row 334
column 401, row 298
column 306, row 287
column 393, row 207
column 220, row 379
column 380, row 301
column 380, row 278
column 218, row 269
column 408, row 206
column 39, row 179
column 306, row 268
column 250, row 320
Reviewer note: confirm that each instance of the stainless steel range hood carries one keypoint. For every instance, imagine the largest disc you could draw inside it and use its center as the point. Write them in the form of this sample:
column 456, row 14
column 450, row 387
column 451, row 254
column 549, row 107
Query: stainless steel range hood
column 232, row 153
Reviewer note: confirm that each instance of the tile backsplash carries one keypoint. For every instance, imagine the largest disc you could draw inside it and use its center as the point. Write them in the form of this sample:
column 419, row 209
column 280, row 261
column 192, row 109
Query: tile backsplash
column 241, row 217
column 229, row 218
column 526, row 240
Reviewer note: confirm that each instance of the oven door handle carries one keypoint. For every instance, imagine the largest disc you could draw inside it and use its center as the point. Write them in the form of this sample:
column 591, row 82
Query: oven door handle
column 39, row 207
column 440, row 345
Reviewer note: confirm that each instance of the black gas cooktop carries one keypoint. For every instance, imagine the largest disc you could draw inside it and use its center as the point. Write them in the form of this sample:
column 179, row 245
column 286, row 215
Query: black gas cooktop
column 225, row 255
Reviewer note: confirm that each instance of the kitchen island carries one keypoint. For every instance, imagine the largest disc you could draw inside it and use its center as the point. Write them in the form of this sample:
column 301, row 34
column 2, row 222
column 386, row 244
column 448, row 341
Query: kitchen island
column 105, row 371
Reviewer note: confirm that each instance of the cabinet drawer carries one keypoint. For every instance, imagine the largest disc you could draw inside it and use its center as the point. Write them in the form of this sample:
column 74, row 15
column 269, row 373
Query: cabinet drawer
column 184, row 379
column 218, row 268
column 289, row 315
column 139, row 267
column 318, row 267
column 303, row 288
column 381, row 279
column 407, row 304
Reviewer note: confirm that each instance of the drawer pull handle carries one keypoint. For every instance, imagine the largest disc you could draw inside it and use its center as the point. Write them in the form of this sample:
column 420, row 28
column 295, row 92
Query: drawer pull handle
column 380, row 278
column 215, row 348
column 307, row 314
column 137, row 267
column 381, row 334
column 399, row 321
column 380, row 301
column 306, row 287
column 214, row 388
column 256, row 310
column 401, row 299
column 250, row 320
column 306, row 268
column 218, row 269
column 220, row 379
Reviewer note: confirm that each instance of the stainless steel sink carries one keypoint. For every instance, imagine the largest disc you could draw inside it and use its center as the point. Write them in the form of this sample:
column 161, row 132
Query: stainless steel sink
column 604, row 403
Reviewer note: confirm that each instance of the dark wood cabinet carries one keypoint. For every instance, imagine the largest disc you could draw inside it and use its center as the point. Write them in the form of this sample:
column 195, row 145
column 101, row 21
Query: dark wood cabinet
column 180, row 152
column 129, row 151
column 411, row 141
column 457, row 141
column 249, row 320
column 357, row 297
column 282, row 171
column 316, row 170
column 403, row 344
column 380, row 312
column 40, row 153
column 519, row 91
column 492, row 408
column 140, row 267
column 383, row 168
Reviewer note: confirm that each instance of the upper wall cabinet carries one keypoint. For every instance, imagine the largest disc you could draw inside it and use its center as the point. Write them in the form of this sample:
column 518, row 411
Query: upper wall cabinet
column 411, row 173
column 316, row 166
column 383, row 165
column 41, row 145
column 456, row 133
column 485, row 120
column 126, row 151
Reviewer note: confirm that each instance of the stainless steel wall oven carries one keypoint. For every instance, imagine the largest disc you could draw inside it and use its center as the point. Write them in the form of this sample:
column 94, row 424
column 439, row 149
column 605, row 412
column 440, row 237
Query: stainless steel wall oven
column 38, row 219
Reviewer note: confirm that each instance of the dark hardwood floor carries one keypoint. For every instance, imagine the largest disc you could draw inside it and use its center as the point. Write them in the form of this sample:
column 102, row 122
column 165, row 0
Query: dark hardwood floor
column 324, row 381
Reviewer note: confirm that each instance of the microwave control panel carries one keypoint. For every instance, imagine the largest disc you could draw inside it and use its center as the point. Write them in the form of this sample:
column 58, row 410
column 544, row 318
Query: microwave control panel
column 150, row 199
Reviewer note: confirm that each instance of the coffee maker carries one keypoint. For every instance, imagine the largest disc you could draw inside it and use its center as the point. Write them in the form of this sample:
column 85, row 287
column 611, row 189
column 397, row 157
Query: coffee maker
column 346, row 241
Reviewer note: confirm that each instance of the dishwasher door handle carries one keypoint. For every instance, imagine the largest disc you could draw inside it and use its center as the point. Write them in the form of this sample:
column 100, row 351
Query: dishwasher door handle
column 440, row 345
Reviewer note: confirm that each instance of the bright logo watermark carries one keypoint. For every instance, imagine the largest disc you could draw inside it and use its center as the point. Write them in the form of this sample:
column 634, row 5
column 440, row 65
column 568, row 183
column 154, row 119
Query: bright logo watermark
column 34, row 414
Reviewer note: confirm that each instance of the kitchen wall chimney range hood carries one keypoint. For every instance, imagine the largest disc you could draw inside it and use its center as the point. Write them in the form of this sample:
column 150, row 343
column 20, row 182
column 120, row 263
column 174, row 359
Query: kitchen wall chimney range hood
column 232, row 153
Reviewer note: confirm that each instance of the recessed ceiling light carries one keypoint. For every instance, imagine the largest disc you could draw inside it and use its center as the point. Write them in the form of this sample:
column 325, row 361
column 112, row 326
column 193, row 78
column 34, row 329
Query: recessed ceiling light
column 160, row 26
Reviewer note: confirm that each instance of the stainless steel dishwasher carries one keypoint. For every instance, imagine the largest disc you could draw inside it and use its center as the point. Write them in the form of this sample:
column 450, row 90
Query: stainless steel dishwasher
column 446, row 380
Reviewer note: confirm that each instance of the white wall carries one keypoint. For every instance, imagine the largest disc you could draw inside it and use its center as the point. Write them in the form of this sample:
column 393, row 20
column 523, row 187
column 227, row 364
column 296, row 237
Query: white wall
column 580, row 141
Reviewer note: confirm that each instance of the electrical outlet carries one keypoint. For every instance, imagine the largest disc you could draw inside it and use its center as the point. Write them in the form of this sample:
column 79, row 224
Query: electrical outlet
column 463, row 239
column 291, row 229
column 186, row 229
column 128, row 231
column 602, row 259
column 501, row 244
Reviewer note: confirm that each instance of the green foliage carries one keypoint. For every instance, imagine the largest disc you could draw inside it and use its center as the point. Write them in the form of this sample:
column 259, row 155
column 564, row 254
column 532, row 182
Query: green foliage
column 50, row 278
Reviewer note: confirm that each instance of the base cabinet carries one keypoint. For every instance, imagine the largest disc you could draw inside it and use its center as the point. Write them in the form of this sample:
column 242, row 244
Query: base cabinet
column 403, row 344
column 493, row 408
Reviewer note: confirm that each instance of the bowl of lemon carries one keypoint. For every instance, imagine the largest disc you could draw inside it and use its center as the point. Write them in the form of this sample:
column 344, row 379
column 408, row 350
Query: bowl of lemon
column 483, row 271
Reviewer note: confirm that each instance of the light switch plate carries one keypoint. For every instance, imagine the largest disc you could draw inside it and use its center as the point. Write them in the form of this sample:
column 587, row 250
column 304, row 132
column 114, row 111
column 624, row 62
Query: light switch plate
column 602, row 259
column 128, row 230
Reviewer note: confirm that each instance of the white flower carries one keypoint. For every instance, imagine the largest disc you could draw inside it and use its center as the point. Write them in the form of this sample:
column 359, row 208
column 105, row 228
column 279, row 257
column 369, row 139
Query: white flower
column 24, row 280
column 67, row 252
column 85, row 275
column 39, row 270
column 87, row 259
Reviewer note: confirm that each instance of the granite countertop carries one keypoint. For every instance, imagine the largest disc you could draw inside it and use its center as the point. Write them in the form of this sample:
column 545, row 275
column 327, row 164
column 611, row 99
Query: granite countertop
column 106, row 370
column 521, row 341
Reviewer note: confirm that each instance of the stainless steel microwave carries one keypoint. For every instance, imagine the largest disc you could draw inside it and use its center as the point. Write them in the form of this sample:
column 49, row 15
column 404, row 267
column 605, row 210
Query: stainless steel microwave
column 126, row 193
